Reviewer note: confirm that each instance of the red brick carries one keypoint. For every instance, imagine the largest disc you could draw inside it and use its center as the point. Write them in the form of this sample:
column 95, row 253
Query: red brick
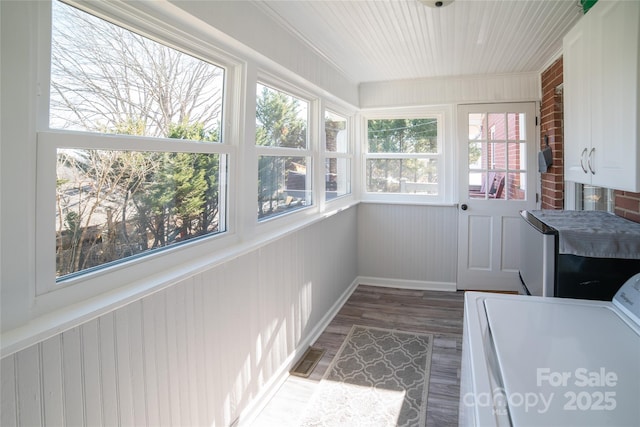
column 632, row 216
column 552, row 186
column 628, row 204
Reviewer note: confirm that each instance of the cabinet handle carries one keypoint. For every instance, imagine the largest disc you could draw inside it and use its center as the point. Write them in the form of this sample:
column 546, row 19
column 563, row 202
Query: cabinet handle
column 593, row 172
column 584, row 152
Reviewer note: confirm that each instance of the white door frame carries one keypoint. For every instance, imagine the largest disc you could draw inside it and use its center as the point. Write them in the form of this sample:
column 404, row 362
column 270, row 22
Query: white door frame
column 488, row 227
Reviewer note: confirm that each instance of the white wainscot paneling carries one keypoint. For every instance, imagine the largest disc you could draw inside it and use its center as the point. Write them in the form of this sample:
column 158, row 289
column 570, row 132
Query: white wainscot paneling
column 479, row 244
column 408, row 245
column 201, row 352
column 510, row 260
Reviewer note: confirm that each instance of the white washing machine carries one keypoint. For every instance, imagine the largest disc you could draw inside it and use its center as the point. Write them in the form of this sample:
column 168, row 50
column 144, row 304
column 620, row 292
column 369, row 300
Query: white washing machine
column 535, row 361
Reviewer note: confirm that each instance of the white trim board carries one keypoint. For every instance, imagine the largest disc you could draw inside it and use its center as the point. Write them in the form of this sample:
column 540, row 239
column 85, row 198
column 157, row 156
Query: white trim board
column 407, row 284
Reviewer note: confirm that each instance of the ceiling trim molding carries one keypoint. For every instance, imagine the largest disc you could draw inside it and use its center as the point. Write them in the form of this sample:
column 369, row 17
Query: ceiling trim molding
column 278, row 19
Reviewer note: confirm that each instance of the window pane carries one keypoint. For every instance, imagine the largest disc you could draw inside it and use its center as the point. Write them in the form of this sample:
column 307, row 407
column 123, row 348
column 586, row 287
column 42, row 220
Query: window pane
column 281, row 119
column 516, row 186
column 591, row 198
column 497, row 126
column 338, row 177
column 517, row 156
column 497, row 155
column 403, row 136
column 486, row 185
column 476, row 127
column 107, row 79
column 516, row 126
column 477, row 185
column 478, row 155
column 284, row 184
column 335, row 128
column 113, row 205
column 419, row 176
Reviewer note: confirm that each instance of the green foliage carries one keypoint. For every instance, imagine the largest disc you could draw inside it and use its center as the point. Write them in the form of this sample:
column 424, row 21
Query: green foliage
column 277, row 120
column 153, row 199
column 192, row 131
column 402, row 136
column 279, row 123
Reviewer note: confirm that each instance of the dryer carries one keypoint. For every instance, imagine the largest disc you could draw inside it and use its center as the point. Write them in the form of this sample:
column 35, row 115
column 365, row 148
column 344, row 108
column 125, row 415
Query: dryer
column 534, row 361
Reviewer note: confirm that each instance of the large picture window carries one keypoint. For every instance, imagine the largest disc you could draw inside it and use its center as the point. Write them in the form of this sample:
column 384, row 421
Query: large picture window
column 135, row 132
column 284, row 156
column 403, row 156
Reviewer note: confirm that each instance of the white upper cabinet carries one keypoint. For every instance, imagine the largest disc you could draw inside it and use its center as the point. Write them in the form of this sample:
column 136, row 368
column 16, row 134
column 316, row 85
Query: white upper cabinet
column 602, row 92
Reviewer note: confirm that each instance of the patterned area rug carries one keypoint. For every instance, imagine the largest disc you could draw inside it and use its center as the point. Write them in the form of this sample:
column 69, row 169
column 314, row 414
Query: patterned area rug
column 379, row 377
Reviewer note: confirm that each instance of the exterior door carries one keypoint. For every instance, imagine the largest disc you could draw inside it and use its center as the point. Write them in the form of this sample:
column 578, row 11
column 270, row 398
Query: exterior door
column 498, row 179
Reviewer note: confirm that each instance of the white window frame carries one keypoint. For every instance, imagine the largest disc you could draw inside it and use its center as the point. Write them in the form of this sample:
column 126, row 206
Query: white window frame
column 50, row 293
column 346, row 155
column 444, row 156
column 310, row 152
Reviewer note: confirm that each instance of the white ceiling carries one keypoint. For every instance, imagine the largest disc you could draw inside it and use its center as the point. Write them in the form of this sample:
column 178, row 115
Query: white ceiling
column 383, row 40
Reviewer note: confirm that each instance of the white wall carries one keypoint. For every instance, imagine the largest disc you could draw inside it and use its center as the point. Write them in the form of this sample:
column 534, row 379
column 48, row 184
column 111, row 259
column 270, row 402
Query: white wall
column 268, row 38
column 196, row 353
column 408, row 245
column 451, row 90
column 202, row 350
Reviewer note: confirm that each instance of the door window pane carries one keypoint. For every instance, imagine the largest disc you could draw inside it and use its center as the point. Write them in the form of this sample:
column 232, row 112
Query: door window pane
column 497, row 167
column 486, row 185
column 516, row 127
column 517, row 155
column 478, row 155
column 497, row 155
column 517, row 184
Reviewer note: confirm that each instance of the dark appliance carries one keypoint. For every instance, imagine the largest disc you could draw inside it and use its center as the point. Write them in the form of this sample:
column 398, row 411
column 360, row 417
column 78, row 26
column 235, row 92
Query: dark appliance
column 577, row 254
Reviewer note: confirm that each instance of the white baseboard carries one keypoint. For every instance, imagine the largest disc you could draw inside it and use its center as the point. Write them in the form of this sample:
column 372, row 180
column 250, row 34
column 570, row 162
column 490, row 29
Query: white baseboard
column 407, row 284
column 250, row 413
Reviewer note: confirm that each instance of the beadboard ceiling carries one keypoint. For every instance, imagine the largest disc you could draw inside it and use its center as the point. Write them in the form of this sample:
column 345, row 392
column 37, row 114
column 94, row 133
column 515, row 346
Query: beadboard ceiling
column 385, row 40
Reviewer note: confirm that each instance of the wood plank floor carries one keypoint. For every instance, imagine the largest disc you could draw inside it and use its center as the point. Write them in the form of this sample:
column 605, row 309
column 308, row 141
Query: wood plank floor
column 438, row 313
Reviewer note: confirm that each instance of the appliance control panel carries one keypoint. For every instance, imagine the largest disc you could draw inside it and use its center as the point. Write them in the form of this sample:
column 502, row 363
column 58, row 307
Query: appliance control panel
column 628, row 298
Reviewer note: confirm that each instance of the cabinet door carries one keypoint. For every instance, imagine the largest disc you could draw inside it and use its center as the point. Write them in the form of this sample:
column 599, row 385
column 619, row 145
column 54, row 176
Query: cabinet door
column 614, row 91
column 577, row 112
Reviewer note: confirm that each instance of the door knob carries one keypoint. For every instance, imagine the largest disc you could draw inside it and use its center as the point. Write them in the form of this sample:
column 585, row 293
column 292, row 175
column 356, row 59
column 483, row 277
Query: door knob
column 464, row 207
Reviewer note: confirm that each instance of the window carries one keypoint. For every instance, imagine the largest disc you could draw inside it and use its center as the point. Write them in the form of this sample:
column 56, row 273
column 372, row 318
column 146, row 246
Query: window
column 284, row 155
column 136, row 135
column 337, row 156
column 592, row 198
column 404, row 156
column 497, row 158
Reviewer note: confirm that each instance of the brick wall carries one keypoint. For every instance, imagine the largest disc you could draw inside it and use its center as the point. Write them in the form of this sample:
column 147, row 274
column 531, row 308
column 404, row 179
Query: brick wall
column 551, row 127
column 627, row 205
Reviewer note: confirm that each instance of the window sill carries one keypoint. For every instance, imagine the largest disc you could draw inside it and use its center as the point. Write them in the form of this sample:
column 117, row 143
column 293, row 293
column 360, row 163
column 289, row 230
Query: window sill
column 49, row 324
